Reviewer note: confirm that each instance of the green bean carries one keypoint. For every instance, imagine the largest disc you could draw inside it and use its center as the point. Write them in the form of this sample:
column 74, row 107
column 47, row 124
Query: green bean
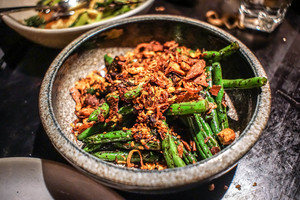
column 211, row 141
column 219, row 55
column 244, row 83
column 178, row 162
column 101, row 110
column 165, row 145
column 208, row 71
column 113, row 136
column 186, row 108
column 98, row 127
column 170, row 150
column 92, row 147
column 131, row 94
column 214, row 123
column 125, row 110
column 188, row 157
column 117, row 156
column 152, row 145
column 221, row 110
column 183, row 108
column 202, row 148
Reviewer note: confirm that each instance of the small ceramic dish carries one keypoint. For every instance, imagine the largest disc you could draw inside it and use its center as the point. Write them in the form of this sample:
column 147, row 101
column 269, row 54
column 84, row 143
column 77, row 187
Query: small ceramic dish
column 59, row 38
column 85, row 54
column 33, row 178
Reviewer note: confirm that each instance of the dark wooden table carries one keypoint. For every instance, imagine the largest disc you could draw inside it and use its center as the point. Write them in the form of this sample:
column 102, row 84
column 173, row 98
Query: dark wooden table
column 271, row 169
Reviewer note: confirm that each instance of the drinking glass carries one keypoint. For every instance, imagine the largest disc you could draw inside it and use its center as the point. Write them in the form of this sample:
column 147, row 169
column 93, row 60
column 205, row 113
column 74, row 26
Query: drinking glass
column 263, row 15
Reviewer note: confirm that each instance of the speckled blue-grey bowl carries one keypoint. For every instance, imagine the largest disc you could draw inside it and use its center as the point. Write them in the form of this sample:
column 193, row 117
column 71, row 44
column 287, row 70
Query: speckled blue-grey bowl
column 85, row 54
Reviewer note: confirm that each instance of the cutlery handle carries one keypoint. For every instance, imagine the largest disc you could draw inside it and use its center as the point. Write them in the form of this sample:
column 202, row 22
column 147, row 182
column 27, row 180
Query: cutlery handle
column 16, row 8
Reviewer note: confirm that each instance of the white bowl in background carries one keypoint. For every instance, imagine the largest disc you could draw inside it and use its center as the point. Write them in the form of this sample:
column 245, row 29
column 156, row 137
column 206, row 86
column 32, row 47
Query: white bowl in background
column 59, row 38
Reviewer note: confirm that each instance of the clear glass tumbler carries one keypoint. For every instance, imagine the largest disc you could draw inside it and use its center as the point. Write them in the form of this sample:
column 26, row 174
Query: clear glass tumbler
column 263, row 15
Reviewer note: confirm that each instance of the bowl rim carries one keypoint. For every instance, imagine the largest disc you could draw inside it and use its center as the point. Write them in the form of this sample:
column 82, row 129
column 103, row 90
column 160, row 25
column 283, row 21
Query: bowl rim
column 168, row 178
column 9, row 19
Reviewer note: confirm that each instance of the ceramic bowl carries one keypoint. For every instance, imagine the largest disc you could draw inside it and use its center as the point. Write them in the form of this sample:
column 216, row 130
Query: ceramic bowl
column 85, row 54
column 34, row 178
column 59, row 38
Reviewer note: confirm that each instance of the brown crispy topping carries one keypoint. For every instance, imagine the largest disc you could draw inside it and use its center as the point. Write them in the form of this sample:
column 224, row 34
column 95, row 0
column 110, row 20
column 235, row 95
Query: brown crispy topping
column 196, row 70
column 215, row 90
column 160, row 9
column 184, row 66
column 238, row 187
column 215, row 150
column 180, row 150
column 226, row 136
column 174, row 67
column 129, row 164
column 201, row 80
column 76, row 96
column 211, row 187
column 91, row 100
column 157, row 75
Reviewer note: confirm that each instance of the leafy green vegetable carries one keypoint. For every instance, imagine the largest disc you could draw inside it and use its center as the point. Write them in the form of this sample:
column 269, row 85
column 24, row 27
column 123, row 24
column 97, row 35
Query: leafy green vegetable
column 35, row 21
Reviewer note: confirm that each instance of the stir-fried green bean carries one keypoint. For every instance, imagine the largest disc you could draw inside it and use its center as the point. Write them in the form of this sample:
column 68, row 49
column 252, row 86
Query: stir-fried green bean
column 129, row 121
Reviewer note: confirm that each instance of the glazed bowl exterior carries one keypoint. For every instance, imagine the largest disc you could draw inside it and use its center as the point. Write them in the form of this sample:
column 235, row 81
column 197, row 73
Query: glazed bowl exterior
column 85, row 54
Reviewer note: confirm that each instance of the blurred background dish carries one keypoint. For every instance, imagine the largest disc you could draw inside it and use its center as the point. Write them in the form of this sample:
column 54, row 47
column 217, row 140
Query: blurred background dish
column 34, row 178
column 59, row 38
column 86, row 53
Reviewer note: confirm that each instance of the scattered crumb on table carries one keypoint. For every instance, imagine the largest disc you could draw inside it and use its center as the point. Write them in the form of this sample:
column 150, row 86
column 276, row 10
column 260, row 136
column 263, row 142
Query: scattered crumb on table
column 211, row 187
column 238, row 187
column 160, row 9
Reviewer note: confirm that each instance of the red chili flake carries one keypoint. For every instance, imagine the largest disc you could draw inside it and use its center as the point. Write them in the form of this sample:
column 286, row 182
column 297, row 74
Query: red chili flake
column 224, row 102
column 254, row 184
column 180, row 150
column 194, row 146
column 215, row 89
column 186, row 145
column 238, row 187
column 206, row 139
